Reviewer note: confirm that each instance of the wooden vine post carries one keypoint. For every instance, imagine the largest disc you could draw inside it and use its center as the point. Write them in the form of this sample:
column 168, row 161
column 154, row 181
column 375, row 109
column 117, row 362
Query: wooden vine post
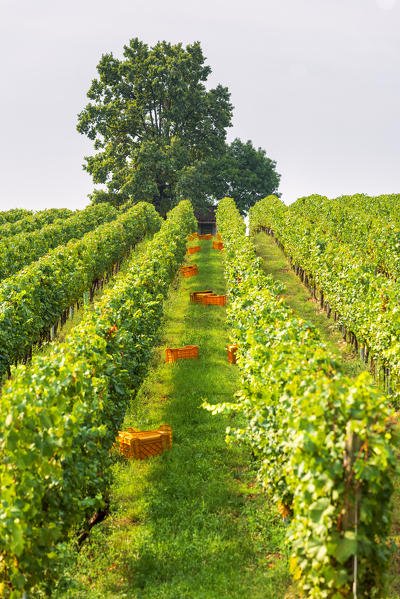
column 350, row 513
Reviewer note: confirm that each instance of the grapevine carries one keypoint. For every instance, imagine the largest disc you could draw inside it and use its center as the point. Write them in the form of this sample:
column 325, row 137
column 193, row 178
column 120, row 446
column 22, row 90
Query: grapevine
column 350, row 285
column 323, row 440
column 34, row 299
column 59, row 416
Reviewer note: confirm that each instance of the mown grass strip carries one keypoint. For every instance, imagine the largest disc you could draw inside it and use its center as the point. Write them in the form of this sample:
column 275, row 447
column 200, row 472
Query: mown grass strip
column 191, row 523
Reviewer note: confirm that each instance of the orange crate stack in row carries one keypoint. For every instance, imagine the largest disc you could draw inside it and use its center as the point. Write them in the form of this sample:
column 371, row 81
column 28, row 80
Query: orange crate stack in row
column 193, row 249
column 189, row 352
column 189, row 271
column 144, row 444
column 196, row 296
column 213, row 300
column 218, row 245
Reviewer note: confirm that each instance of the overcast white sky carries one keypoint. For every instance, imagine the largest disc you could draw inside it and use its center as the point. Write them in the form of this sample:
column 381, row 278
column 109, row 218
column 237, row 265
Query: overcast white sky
column 316, row 83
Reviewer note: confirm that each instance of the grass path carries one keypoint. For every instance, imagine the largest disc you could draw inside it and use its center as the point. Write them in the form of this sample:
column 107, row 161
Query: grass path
column 191, row 523
column 299, row 298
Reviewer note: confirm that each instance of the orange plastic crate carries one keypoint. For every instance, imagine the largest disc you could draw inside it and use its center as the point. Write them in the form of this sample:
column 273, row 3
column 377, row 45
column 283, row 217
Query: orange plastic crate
column 144, row 444
column 218, row 245
column 164, row 429
column 141, row 447
column 206, row 236
column 193, row 249
column 232, row 349
column 213, row 300
column 189, row 352
column 192, row 236
column 189, row 271
column 195, row 296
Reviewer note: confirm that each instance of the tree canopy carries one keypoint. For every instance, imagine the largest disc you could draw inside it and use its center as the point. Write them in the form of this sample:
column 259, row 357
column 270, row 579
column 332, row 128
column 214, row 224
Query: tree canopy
column 160, row 135
column 242, row 172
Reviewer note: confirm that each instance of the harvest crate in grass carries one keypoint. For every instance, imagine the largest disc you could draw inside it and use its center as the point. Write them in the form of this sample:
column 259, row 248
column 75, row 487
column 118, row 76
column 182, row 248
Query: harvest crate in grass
column 192, row 236
column 232, row 349
column 189, row 271
column 218, row 245
column 196, row 296
column 213, row 300
column 189, row 352
column 205, row 236
column 144, row 444
column 193, row 249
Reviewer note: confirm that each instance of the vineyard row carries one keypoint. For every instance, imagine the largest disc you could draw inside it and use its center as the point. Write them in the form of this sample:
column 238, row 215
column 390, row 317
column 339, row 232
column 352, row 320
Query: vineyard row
column 36, row 298
column 11, row 216
column 24, row 248
column 59, row 416
column 370, row 227
column 363, row 301
column 30, row 222
column 323, row 440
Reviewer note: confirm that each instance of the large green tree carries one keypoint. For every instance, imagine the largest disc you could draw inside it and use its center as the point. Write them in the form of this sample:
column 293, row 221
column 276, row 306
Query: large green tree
column 151, row 119
column 249, row 175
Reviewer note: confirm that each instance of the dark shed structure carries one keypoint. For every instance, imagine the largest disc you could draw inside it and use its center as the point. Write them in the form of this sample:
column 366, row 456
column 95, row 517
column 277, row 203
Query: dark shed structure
column 206, row 222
